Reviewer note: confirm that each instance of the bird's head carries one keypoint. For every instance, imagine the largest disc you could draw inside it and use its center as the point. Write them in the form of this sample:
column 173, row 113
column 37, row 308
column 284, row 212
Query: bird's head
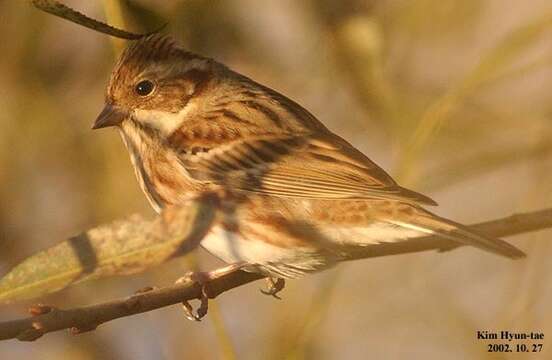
column 153, row 84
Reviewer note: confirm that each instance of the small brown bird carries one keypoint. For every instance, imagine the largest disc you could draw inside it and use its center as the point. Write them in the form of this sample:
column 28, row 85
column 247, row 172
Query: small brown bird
column 295, row 197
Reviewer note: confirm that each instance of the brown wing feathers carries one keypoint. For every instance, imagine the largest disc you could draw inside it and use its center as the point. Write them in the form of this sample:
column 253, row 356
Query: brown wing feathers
column 292, row 166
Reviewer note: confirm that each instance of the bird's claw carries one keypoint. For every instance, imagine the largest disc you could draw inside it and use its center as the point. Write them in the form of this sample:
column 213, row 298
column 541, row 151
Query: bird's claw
column 201, row 279
column 275, row 285
column 201, row 310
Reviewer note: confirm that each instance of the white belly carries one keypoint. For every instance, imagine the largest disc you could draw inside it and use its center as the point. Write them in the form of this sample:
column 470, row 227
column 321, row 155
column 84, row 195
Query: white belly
column 294, row 262
column 373, row 234
column 264, row 257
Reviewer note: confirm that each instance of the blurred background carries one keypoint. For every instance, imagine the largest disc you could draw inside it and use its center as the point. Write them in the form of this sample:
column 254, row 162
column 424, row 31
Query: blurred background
column 451, row 97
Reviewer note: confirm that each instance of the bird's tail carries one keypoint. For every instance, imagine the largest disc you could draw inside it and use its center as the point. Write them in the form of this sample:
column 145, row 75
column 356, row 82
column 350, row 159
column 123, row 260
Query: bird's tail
column 431, row 224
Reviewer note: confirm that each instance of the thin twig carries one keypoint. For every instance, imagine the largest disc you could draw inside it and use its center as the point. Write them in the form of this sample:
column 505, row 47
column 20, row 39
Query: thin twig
column 63, row 11
column 87, row 318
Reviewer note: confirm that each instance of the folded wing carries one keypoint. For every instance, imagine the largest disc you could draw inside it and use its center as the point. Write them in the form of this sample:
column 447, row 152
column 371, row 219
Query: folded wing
column 317, row 167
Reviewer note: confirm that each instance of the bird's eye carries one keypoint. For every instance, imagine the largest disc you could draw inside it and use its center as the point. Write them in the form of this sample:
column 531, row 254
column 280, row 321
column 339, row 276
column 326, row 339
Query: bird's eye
column 144, row 87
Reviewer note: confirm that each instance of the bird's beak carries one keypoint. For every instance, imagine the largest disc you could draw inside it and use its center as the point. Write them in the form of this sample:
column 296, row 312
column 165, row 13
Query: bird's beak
column 111, row 115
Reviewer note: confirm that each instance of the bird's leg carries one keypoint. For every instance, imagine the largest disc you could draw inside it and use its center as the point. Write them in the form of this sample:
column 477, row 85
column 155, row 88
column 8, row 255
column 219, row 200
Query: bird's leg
column 202, row 278
column 275, row 285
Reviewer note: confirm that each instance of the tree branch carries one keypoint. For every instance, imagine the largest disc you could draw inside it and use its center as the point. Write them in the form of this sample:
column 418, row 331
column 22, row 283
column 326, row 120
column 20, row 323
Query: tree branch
column 65, row 12
column 46, row 319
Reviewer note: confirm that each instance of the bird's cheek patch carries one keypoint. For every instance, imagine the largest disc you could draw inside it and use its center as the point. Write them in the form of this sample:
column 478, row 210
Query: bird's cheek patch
column 165, row 122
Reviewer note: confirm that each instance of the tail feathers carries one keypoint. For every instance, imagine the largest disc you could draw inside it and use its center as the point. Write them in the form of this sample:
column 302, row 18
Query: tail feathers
column 435, row 225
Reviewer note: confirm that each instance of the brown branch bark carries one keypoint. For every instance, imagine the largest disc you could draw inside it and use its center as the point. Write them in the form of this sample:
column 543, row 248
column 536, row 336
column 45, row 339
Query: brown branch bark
column 65, row 12
column 87, row 318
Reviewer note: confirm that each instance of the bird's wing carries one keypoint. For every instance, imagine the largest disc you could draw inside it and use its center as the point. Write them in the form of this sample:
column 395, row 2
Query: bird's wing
column 322, row 166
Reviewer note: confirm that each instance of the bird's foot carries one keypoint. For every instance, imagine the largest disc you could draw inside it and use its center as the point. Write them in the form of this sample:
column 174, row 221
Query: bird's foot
column 275, row 285
column 203, row 278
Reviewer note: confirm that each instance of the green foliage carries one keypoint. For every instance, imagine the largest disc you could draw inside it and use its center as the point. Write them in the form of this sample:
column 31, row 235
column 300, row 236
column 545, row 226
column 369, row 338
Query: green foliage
column 123, row 247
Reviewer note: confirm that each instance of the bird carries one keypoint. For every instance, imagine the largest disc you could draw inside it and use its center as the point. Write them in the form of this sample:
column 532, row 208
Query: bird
column 294, row 197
